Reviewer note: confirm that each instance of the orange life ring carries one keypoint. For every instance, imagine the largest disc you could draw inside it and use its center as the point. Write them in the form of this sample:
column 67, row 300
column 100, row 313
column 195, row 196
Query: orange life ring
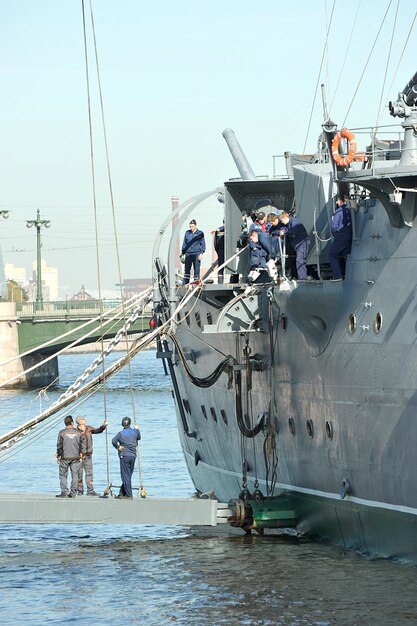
column 337, row 157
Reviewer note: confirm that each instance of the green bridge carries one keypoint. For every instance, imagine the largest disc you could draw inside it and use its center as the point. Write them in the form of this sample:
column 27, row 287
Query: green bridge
column 26, row 327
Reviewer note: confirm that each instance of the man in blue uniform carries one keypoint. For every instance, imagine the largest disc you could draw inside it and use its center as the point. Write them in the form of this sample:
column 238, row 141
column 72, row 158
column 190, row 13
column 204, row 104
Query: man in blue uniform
column 342, row 238
column 193, row 247
column 297, row 237
column 126, row 443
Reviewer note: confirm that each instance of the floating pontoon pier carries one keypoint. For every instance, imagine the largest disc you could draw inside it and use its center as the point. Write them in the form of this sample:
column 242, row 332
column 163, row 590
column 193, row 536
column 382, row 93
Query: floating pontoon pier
column 38, row 508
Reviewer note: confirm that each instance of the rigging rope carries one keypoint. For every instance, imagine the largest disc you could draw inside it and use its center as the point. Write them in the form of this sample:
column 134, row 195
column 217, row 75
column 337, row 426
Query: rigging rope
column 74, row 392
column 73, row 330
column 109, row 178
column 93, row 182
column 318, row 77
column 347, row 52
column 402, row 53
column 71, row 345
column 366, row 64
column 386, row 66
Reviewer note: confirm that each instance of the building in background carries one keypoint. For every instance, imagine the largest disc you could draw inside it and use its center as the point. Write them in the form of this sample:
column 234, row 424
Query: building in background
column 82, row 295
column 134, row 286
column 18, row 274
column 49, row 280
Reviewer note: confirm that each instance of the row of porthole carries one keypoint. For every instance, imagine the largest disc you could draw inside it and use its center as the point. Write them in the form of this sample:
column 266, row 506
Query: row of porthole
column 352, row 323
column 197, row 318
column 310, row 428
column 377, row 325
column 204, row 411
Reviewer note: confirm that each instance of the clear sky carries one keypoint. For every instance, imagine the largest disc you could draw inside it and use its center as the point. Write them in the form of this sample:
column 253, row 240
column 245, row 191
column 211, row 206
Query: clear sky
column 174, row 75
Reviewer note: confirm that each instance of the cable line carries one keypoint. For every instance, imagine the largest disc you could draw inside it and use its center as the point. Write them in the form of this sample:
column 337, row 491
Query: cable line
column 109, row 177
column 367, row 62
column 318, row 77
column 386, row 66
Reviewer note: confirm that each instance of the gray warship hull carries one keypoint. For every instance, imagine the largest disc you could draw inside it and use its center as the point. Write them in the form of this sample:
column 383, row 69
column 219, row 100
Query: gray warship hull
column 318, row 399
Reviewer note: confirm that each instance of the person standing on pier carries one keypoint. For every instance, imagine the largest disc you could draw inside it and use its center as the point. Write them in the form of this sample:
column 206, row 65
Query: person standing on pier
column 126, row 443
column 69, row 451
column 86, row 465
column 193, row 247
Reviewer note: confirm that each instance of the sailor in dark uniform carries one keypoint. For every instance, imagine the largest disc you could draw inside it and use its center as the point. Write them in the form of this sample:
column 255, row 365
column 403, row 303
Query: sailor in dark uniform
column 126, row 443
column 193, row 247
column 342, row 238
column 297, row 237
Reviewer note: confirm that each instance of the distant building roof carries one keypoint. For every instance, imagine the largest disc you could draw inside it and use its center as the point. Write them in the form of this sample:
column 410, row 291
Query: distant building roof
column 82, row 295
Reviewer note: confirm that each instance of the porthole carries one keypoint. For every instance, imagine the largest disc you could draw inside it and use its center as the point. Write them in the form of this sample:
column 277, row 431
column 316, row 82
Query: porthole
column 378, row 323
column 187, row 318
column 329, row 430
column 213, row 413
column 209, row 318
column 283, row 322
column 186, row 406
column 203, row 409
column 352, row 323
column 310, row 428
column 291, row 425
column 224, row 416
column 197, row 319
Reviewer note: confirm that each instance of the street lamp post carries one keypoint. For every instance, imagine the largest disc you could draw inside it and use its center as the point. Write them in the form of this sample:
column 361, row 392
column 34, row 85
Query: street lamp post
column 5, row 214
column 38, row 223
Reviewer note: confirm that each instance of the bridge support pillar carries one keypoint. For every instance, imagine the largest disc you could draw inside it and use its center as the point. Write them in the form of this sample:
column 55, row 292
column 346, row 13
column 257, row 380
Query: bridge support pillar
column 9, row 348
column 44, row 374
column 9, row 345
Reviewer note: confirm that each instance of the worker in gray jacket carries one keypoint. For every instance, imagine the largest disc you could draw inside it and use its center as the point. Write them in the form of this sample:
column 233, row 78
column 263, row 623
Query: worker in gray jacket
column 69, row 452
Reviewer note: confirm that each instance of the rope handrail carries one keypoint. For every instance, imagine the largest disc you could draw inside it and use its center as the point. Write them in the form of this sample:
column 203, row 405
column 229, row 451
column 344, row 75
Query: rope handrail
column 68, row 397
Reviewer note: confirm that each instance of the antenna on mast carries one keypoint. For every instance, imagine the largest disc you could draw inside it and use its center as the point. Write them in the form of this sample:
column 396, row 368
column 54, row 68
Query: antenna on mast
column 323, row 98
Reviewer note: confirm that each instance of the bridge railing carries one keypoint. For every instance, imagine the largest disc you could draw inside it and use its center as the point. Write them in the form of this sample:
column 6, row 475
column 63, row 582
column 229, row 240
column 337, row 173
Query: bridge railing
column 67, row 307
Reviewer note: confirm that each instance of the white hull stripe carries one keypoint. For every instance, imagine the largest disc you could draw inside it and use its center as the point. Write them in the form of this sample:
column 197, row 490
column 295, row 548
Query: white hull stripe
column 316, row 492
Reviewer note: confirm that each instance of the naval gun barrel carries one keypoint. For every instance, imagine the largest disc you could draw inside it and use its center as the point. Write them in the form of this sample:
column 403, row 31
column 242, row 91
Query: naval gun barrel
column 410, row 91
column 242, row 164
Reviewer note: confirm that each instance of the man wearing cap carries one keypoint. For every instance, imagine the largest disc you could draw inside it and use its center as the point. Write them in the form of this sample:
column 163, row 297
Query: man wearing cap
column 126, row 443
column 86, row 464
column 69, row 455
column 258, row 222
column 193, row 247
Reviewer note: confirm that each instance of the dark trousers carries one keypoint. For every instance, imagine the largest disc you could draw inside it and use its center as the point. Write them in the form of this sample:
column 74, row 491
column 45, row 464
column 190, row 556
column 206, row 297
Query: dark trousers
column 127, row 465
column 339, row 249
column 300, row 260
column 220, row 261
column 191, row 260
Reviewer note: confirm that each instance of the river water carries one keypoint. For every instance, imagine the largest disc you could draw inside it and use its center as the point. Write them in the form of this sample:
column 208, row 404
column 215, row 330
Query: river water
column 101, row 575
